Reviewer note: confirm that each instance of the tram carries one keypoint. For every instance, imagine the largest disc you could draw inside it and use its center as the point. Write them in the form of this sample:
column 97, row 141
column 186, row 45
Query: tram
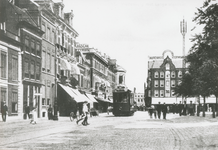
column 123, row 102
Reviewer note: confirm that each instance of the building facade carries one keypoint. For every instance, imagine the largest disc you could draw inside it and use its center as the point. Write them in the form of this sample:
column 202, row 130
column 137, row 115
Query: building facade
column 164, row 73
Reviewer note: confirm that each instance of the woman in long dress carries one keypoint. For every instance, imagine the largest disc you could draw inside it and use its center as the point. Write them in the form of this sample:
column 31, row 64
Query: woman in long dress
column 34, row 116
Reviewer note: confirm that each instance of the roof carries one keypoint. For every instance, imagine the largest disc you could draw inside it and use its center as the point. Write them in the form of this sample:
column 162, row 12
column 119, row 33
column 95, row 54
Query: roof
column 156, row 63
column 23, row 15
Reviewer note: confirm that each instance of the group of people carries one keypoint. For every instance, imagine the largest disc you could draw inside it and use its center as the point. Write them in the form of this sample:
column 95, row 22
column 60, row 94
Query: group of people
column 156, row 110
column 182, row 109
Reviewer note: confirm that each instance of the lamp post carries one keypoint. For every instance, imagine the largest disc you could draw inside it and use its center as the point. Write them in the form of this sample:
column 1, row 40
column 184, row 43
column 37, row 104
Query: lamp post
column 55, row 99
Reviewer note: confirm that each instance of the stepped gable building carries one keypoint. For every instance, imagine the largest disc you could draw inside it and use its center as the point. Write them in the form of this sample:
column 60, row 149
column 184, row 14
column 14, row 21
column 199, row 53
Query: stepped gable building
column 164, row 73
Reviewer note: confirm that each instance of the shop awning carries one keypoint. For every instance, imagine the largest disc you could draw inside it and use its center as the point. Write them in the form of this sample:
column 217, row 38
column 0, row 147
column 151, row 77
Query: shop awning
column 91, row 97
column 71, row 93
column 80, row 96
column 75, row 69
column 103, row 100
column 65, row 65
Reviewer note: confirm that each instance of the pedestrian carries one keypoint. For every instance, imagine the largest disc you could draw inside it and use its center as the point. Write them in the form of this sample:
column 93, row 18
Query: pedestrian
column 85, row 115
column 154, row 111
column 4, row 111
column 184, row 109
column 158, row 108
column 50, row 112
column 34, row 116
column 174, row 108
column 150, row 111
column 27, row 111
column 191, row 109
column 180, row 108
column 164, row 110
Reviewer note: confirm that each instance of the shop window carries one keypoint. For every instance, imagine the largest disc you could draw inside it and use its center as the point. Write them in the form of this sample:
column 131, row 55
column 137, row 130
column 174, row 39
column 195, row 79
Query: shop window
column 14, row 102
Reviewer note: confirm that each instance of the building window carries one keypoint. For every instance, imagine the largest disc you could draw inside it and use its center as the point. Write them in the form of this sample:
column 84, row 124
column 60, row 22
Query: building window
column 53, row 37
column 172, row 93
column 156, row 94
column 167, row 93
column 167, row 74
column 48, row 101
column 173, row 83
column 32, row 68
column 167, row 83
column 167, row 66
column 162, row 74
column 180, row 74
column 3, row 65
column 3, row 94
column 161, row 93
column 43, row 29
column 156, row 74
column 27, row 44
column 38, row 52
column 43, row 101
column 149, row 93
column 161, row 83
column 37, row 71
column 52, row 64
column 33, row 46
column 48, row 33
column 48, row 62
column 14, row 68
column 173, row 74
column 156, row 83
column 14, row 102
column 43, row 60
column 26, row 68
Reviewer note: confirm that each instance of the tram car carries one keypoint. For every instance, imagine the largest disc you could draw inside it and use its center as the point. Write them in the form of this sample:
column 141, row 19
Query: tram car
column 123, row 102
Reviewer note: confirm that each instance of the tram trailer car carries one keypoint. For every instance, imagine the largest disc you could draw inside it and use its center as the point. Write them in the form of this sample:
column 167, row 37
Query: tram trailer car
column 123, row 102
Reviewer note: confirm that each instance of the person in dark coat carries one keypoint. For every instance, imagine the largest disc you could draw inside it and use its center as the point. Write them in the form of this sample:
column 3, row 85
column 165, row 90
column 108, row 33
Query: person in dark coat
column 164, row 110
column 4, row 111
column 27, row 111
column 50, row 112
column 158, row 108
column 174, row 108
column 184, row 109
column 191, row 109
column 180, row 106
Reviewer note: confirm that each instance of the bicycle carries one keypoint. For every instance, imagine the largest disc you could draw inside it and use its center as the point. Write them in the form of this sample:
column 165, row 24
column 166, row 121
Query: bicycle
column 73, row 116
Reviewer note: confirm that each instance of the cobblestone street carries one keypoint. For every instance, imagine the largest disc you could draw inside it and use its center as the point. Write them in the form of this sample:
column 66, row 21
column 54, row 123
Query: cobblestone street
column 107, row 132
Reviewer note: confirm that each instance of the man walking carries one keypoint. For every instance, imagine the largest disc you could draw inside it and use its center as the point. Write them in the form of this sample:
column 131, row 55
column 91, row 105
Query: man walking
column 158, row 108
column 164, row 110
column 85, row 113
column 4, row 110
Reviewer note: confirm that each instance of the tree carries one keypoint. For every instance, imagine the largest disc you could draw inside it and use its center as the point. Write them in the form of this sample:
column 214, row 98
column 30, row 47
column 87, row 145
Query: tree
column 203, row 55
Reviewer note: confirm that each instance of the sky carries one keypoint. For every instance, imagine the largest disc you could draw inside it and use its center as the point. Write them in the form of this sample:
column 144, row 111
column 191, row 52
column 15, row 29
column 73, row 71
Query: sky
column 131, row 30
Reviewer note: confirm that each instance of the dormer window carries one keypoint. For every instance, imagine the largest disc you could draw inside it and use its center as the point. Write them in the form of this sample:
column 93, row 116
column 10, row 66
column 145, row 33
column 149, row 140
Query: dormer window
column 167, row 66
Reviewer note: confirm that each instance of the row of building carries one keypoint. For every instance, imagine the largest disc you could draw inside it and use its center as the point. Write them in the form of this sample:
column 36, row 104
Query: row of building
column 42, row 64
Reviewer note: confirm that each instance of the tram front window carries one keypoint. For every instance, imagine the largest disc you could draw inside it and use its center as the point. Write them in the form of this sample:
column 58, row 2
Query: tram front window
column 123, row 98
